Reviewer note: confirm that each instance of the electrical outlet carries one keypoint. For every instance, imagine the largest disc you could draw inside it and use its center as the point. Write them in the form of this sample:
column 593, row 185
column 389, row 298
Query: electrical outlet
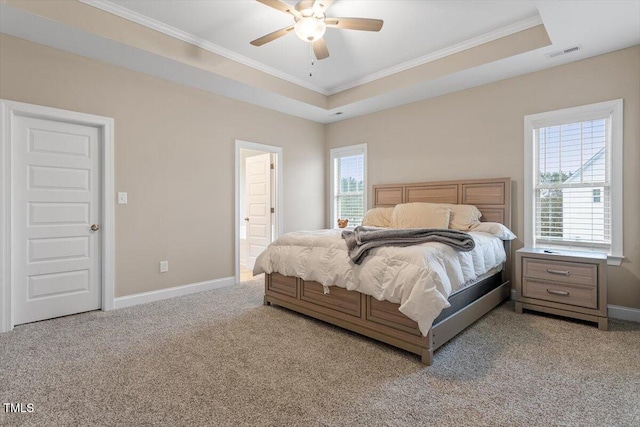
column 164, row 266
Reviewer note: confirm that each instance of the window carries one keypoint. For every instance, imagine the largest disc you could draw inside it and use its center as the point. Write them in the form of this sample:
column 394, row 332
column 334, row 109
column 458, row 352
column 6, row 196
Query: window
column 573, row 179
column 597, row 197
column 348, row 184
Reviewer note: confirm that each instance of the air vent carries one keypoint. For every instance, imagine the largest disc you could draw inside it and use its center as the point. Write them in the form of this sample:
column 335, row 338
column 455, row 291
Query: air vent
column 563, row 52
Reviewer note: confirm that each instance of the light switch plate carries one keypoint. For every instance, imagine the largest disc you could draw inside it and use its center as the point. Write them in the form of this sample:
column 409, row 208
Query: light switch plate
column 122, row 198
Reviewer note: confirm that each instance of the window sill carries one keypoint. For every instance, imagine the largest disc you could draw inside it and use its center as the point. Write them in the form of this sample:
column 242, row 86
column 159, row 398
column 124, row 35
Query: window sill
column 614, row 260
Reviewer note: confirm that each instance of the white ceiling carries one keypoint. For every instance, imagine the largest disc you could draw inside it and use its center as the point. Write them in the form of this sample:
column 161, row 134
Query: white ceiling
column 412, row 29
column 414, row 32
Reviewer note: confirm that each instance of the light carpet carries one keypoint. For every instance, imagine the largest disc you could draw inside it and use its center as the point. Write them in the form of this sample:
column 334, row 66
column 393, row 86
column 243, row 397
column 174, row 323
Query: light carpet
column 222, row 358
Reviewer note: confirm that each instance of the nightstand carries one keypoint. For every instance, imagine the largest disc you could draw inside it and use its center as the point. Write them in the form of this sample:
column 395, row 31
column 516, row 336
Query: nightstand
column 564, row 283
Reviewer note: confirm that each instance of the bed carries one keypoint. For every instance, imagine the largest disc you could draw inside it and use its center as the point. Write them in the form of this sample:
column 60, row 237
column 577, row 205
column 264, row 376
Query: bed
column 381, row 319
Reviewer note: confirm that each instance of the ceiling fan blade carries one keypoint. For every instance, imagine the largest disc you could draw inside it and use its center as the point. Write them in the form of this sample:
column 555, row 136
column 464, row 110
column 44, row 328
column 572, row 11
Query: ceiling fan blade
column 320, row 49
column 272, row 36
column 320, row 6
column 281, row 6
column 363, row 24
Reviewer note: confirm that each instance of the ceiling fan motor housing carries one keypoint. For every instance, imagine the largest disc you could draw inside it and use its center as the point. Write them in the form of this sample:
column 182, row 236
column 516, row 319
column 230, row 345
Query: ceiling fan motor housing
column 306, row 7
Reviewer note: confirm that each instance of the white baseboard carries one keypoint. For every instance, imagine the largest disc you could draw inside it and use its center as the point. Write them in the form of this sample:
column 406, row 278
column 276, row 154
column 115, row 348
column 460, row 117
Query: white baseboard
column 614, row 311
column 176, row 291
column 623, row 313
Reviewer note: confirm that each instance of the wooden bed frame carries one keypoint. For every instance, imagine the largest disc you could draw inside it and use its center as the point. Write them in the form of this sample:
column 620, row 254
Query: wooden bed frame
column 381, row 320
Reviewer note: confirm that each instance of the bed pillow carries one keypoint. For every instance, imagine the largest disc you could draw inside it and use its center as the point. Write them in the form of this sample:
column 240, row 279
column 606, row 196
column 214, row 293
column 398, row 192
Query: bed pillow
column 420, row 215
column 496, row 229
column 378, row 217
column 464, row 217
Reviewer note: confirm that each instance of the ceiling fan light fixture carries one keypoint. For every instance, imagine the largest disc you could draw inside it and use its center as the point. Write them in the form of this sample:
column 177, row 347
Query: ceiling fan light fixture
column 310, row 29
column 311, row 23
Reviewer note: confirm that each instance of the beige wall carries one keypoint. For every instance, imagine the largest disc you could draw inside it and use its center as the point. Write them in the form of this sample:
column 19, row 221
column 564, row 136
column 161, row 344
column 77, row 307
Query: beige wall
column 478, row 133
column 175, row 152
column 174, row 155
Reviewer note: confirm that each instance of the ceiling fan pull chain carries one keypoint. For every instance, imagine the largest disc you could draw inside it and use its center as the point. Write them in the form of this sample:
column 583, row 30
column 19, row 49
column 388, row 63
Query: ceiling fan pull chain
column 311, row 58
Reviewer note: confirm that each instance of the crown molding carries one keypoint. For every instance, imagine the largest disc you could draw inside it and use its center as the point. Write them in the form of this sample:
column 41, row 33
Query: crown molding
column 176, row 33
column 516, row 27
column 168, row 30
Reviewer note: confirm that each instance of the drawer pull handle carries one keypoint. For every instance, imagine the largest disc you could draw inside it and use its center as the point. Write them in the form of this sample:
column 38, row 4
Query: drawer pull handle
column 561, row 272
column 554, row 292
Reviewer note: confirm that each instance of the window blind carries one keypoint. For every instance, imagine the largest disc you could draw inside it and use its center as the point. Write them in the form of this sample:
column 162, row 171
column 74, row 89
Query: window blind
column 349, row 188
column 572, row 185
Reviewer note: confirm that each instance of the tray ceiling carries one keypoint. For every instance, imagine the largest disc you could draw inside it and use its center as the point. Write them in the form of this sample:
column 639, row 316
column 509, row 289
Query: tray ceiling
column 412, row 29
column 425, row 49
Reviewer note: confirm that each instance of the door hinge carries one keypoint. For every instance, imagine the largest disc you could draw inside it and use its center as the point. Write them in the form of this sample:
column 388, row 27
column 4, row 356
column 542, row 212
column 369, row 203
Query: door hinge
column 273, row 166
column 273, row 210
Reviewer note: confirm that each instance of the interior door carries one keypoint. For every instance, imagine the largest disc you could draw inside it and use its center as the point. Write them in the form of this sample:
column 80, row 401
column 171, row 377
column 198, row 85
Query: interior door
column 258, row 199
column 56, row 241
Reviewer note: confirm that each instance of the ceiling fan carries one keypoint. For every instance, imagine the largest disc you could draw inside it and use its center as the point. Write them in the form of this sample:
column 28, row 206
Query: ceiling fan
column 311, row 24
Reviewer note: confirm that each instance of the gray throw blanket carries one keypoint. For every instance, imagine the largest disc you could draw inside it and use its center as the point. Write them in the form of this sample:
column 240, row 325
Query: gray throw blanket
column 362, row 239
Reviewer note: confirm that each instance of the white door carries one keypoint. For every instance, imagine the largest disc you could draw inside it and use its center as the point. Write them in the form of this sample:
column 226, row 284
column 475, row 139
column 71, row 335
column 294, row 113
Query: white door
column 258, row 199
column 56, row 259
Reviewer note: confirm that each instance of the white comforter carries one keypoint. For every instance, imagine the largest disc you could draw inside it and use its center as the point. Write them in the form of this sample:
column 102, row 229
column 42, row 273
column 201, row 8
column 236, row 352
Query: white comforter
column 420, row 278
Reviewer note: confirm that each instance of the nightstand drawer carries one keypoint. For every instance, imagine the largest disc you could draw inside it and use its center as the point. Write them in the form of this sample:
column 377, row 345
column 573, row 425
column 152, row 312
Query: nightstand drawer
column 565, row 293
column 568, row 272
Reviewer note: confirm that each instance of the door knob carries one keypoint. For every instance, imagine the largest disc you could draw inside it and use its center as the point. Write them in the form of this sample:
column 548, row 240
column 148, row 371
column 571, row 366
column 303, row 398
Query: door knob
column 95, row 227
column 246, row 219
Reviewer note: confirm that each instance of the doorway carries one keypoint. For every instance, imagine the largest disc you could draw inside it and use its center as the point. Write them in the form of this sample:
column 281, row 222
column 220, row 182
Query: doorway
column 56, row 214
column 258, row 203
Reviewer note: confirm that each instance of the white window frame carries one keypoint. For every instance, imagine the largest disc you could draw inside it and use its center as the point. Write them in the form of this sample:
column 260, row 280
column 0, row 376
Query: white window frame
column 351, row 150
column 613, row 108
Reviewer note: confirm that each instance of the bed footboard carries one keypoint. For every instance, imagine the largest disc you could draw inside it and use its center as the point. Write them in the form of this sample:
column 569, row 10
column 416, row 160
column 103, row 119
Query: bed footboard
column 375, row 319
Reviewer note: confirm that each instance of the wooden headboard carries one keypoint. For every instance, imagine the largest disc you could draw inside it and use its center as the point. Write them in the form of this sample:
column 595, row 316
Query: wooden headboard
column 491, row 196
